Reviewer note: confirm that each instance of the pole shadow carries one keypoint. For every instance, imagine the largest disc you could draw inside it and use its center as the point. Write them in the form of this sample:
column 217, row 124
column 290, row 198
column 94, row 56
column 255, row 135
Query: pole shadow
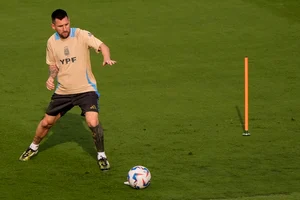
column 240, row 118
column 70, row 128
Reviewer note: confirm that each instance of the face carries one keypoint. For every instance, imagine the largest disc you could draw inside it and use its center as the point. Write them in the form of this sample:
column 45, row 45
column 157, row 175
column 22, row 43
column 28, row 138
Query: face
column 62, row 27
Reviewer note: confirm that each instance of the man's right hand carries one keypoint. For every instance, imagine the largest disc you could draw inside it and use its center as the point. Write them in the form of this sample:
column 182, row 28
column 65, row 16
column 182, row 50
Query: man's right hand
column 50, row 83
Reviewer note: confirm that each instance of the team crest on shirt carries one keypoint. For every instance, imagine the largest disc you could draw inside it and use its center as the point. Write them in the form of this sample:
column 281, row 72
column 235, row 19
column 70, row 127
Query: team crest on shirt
column 66, row 51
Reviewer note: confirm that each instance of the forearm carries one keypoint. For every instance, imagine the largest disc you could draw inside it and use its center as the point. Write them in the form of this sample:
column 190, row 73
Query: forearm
column 53, row 71
column 105, row 51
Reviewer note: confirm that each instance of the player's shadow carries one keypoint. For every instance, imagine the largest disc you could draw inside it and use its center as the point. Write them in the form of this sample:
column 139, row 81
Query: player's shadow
column 70, row 128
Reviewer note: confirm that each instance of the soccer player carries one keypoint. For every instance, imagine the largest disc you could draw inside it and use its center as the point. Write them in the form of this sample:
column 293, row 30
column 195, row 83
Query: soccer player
column 68, row 57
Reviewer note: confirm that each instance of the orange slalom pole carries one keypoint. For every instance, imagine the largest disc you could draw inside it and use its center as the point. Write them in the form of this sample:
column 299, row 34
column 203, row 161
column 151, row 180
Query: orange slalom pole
column 246, row 125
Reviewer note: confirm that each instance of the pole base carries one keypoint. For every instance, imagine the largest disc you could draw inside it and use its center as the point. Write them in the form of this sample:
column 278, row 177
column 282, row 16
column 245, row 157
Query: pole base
column 246, row 133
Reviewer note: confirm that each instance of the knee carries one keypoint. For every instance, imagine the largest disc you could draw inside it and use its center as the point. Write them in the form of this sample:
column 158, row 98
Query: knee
column 92, row 122
column 91, row 119
column 47, row 123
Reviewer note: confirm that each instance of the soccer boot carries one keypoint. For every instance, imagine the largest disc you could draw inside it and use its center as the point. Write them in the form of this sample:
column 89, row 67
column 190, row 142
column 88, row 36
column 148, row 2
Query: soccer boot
column 103, row 163
column 28, row 154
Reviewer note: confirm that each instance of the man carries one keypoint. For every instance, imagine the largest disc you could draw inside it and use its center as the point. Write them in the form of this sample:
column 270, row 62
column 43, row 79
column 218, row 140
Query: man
column 68, row 58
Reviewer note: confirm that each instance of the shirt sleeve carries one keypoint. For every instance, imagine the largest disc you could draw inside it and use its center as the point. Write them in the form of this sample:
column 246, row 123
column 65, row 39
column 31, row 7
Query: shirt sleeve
column 91, row 40
column 50, row 59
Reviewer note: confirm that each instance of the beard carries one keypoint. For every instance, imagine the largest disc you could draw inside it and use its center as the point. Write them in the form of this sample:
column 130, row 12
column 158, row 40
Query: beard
column 64, row 35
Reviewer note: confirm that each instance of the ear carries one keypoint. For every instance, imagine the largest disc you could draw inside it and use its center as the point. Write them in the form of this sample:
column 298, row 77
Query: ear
column 52, row 26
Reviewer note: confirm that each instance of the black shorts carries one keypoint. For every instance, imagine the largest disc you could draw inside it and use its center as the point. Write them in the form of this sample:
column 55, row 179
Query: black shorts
column 61, row 104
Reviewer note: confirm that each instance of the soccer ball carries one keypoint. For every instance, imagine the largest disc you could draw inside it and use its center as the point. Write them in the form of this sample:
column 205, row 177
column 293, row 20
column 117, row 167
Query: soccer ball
column 139, row 177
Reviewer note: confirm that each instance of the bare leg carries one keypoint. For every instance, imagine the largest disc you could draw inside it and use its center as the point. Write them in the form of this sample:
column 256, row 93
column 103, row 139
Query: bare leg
column 43, row 127
column 97, row 130
column 98, row 136
column 41, row 131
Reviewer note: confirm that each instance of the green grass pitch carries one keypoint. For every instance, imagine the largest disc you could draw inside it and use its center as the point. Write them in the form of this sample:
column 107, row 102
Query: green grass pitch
column 173, row 103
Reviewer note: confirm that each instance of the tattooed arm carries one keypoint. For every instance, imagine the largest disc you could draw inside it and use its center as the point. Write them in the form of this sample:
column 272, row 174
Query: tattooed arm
column 53, row 71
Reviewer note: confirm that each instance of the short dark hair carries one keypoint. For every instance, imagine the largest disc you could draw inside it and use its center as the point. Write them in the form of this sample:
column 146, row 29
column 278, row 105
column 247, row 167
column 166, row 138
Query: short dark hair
column 58, row 14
